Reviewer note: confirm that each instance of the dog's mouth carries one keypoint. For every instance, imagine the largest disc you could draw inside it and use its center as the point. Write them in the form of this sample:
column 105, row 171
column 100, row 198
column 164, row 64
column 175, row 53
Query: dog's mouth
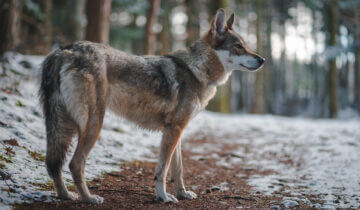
column 251, row 68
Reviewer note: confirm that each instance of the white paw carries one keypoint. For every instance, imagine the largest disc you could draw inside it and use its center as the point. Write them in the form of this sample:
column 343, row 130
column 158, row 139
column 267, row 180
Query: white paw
column 95, row 199
column 167, row 198
column 186, row 195
column 69, row 196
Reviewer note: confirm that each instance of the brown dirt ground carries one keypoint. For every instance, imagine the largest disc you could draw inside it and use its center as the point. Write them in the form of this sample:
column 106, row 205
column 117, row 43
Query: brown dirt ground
column 133, row 188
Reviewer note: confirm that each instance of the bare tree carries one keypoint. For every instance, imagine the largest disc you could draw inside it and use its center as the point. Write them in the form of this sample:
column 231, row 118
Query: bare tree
column 97, row 13
column 46, row 7
column 268, row 69
column 150, row 21
column 258, row 103
column 165, row 34
column 331, row 7
column 36, row 29
column 357, row 56
column 74, row 30
column 193, row 23
column 9, row 24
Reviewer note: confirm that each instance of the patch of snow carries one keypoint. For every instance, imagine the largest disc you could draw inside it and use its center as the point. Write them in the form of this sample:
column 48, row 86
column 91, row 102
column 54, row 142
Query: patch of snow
column 289, row 203
column 348, row 113
column 306, row 156
column 274, row 207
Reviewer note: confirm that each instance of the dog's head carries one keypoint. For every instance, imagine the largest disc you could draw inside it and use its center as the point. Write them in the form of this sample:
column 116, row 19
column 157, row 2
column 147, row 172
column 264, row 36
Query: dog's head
column 230, row 47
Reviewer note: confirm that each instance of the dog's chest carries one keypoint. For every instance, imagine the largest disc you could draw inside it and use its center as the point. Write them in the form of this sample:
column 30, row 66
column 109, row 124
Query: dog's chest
column 203, row 100
column 209, row 94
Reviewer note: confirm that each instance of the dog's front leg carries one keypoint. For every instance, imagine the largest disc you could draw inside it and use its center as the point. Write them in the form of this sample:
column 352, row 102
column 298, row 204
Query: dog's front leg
column 177, row 175
column 170, row 138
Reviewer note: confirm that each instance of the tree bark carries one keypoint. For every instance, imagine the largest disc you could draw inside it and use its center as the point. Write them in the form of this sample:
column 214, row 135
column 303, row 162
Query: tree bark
column 333, row 28
column 258, row 103
column 97, row 13
column 225, row 90
column 150, row 21
column 9, row 24
column 268, row 70
column 193, row 23
column 36, row 30
column 357, row 58
column 357, row 79
column 46, row 7
column 74, row 30
column 165, row 34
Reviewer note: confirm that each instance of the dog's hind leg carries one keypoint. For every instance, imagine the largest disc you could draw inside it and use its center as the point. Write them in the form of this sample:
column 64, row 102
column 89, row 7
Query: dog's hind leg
column 170, row 138
column 86, row 142
column 84, row 93
column 94, row 103
column 60, row 130
column 177, row 175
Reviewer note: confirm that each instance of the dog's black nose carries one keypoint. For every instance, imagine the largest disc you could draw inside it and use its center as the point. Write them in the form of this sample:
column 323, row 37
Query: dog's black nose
column 261, row 60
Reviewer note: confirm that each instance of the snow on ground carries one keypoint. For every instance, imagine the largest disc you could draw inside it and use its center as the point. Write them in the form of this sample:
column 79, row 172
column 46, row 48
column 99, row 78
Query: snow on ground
column 307, row 157
column 317, row 157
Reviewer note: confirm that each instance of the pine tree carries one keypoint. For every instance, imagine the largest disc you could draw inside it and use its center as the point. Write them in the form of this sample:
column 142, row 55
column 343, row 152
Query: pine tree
column 98, row 12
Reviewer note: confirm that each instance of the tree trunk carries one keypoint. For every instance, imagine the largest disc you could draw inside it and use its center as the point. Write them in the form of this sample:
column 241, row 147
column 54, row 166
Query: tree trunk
column 67, row 28
column 36, row 30
column 193, row 23
column 165, row 34
column 357, row 58
column 258, row 103
column 46, row 8
column 268, row 70
column 240, row 103
column 225, row 90
column 9, row 24
column 241, row 100
column 333, row 28
column 150, row 21
column 97, row 13
column 357, row 79
column 74, row 30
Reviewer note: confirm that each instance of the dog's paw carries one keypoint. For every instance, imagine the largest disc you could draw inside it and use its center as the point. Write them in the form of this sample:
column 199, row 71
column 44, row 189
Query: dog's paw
column 69, row 196
column 94, row 199
column 186, row 195
column 167, row 198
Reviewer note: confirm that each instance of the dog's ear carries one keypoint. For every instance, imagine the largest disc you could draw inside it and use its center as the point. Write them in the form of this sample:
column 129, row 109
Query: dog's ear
column 218, row 23
column 230, row 21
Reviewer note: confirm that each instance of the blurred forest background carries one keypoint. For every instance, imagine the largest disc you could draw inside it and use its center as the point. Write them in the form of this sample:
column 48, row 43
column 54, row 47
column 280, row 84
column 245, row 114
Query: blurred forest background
column 312, row 48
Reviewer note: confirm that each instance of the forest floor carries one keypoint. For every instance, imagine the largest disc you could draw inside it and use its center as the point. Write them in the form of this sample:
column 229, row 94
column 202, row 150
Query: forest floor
column 217, row 186
column 224, row 172
column 229, row 160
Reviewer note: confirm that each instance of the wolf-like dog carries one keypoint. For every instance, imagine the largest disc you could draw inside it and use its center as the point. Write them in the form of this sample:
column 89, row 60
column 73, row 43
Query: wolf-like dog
column 80, row 81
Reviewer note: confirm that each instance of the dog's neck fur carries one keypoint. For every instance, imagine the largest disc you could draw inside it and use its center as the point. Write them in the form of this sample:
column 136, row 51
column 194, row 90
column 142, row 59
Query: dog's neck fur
column 204, row 63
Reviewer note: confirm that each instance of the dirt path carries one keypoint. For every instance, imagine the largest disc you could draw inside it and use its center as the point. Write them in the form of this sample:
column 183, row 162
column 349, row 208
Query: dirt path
column 217, row 186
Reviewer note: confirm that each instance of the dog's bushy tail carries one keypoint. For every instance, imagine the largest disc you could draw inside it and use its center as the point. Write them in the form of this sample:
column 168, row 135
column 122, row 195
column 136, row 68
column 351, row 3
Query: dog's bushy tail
column 50, row 99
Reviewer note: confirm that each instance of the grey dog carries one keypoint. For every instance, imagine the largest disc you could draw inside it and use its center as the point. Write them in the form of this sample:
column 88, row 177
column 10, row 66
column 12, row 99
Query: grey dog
column 80, row 81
